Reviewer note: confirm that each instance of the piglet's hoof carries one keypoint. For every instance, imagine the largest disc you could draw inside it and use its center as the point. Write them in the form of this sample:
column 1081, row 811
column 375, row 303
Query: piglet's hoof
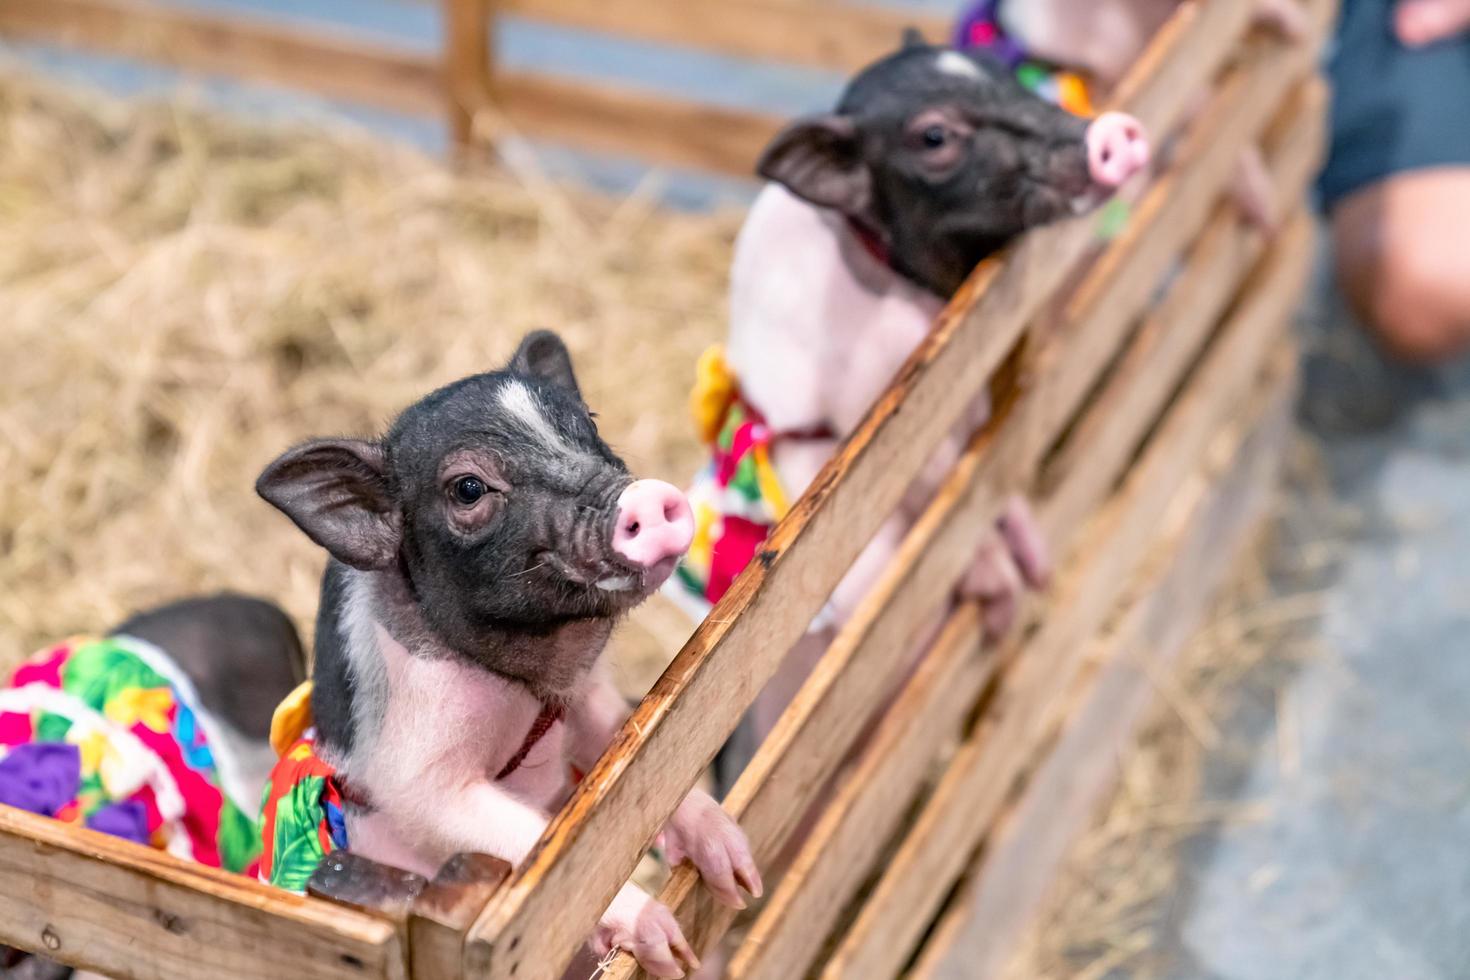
column 353, row 880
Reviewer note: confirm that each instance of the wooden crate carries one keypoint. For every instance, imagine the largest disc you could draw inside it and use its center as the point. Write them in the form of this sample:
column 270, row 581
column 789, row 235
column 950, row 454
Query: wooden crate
column 1141, row 390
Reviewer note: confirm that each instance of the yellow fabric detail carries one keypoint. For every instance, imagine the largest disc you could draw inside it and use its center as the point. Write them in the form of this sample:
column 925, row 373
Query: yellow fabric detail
column 701, row 549
column 714, row 389
column 770, row 484
column 291, row 719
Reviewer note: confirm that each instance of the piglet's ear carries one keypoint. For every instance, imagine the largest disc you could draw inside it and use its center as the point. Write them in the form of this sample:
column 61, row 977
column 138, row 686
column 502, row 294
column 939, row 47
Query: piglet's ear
column 913, row 38
column 543, row 355
column 819, row 159
column 336, row 490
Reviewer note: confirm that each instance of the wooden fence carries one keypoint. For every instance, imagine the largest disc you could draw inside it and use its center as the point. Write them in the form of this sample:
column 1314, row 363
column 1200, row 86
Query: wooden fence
column 463, row 82
column 1141, row 390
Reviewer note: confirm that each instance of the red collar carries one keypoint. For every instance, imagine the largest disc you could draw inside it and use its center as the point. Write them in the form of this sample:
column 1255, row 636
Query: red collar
column 870, row 241
column 550, row 715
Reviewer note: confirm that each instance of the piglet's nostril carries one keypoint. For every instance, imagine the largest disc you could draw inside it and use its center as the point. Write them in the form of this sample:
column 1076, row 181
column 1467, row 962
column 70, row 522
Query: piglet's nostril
column 654, row 523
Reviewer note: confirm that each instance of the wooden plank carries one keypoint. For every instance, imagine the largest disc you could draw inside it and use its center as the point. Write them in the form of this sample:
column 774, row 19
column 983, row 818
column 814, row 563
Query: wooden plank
column 853, row 677
column 928, row 714
column 216, row 44
column 826, row 872
column 614, row 119
column 1020, row 860
column 1106, row 303
column 131, row 912
column 444, row 911
column 817, row 33
column 467, row 64
column 534, row 926
column 1170, row 337
column 974, row 786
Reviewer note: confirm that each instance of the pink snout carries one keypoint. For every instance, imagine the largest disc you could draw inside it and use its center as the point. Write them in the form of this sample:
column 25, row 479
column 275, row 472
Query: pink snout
column 654, row 525
column 1116, row 148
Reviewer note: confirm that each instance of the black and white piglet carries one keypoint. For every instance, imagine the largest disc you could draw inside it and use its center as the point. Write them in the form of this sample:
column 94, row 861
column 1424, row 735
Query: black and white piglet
column 480, row 553
column 875, row 214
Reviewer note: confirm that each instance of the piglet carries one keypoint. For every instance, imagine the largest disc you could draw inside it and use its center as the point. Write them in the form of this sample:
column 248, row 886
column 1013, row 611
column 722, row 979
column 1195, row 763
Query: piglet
column 1100, row 39
column 480, row 554
column 874, row 215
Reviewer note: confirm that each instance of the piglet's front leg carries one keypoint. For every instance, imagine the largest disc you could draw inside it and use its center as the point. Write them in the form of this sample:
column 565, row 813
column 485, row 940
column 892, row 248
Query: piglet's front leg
column 703, row 832
column 1009, row 561
column 634, row 922
column 699, row 830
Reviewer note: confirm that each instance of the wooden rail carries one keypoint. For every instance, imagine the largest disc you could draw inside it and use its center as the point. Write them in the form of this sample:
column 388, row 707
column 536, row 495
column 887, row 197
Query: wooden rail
column 464, row 83
column 1114, row 405
column 129, row 911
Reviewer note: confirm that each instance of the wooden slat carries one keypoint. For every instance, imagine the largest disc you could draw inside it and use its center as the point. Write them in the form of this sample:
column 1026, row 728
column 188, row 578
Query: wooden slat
column 444, row 911
column 216, row 44
column 128, row 911
column 818, row 33
column 792, row 924
column 1020, row 860
column 975, row 784
column 1104, row 306
column 1170, row 336
column 534, row 926
column 851, row 680
column 612, row 119
column 467, row 63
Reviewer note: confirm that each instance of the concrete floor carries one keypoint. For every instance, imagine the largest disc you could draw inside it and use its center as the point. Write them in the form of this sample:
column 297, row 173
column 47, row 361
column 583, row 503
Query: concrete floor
column 1359, row 869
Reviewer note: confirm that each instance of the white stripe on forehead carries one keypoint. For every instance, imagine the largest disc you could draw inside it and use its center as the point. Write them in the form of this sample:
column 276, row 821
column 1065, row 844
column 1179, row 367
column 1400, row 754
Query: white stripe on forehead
column 954, row 63
column 522, row 405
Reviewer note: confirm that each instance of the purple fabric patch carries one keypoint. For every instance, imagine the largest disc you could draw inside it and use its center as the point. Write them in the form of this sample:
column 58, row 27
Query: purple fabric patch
column 41, row 777
column 979, row 27
column 128, row 820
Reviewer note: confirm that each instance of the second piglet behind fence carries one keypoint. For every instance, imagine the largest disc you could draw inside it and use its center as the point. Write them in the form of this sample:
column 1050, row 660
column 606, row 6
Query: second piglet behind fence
column 933, row 160
column 480, row 554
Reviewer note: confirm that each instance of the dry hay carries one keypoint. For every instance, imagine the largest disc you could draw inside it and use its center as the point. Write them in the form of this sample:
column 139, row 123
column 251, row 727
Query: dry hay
column 185, row 297
column 1112, row 912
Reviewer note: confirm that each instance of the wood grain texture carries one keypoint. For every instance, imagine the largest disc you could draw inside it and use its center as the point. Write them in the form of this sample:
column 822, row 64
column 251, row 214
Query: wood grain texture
column 816, row 33
column 829, row 868
column 975, row 785
column 632, row 123
column 468, row 63
column 593, row 844
column 135, row 913
column 364, row 884
column 444, row 911
column 216, row 44
column 854, row 675
column 1020, row 859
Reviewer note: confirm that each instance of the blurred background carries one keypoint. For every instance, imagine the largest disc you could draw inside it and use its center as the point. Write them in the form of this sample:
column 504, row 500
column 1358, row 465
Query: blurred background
column 240, row 223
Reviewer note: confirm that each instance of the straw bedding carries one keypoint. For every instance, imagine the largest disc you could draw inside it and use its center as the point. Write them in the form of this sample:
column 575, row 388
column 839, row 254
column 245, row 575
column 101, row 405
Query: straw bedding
column 184, row 298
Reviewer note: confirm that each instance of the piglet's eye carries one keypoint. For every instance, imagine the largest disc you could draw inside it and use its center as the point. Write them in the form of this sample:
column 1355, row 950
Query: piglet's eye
column 468, row 489
column 934, row 136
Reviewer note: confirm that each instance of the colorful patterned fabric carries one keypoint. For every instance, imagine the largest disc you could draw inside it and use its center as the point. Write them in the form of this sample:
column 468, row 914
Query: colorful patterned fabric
column 980, row 28
column 301, row 817
column 738, row 497
column 110, row 734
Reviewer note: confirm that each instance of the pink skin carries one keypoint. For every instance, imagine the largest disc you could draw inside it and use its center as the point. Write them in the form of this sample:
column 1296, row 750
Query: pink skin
column 447, row 726
column 654, row 527
column 1116, row 149
column 1102, row 39
column 818, row 330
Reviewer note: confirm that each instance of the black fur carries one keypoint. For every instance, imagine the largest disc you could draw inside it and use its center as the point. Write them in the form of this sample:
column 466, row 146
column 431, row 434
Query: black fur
column 243, row 654
column 1007, row 160
column 332, row 688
